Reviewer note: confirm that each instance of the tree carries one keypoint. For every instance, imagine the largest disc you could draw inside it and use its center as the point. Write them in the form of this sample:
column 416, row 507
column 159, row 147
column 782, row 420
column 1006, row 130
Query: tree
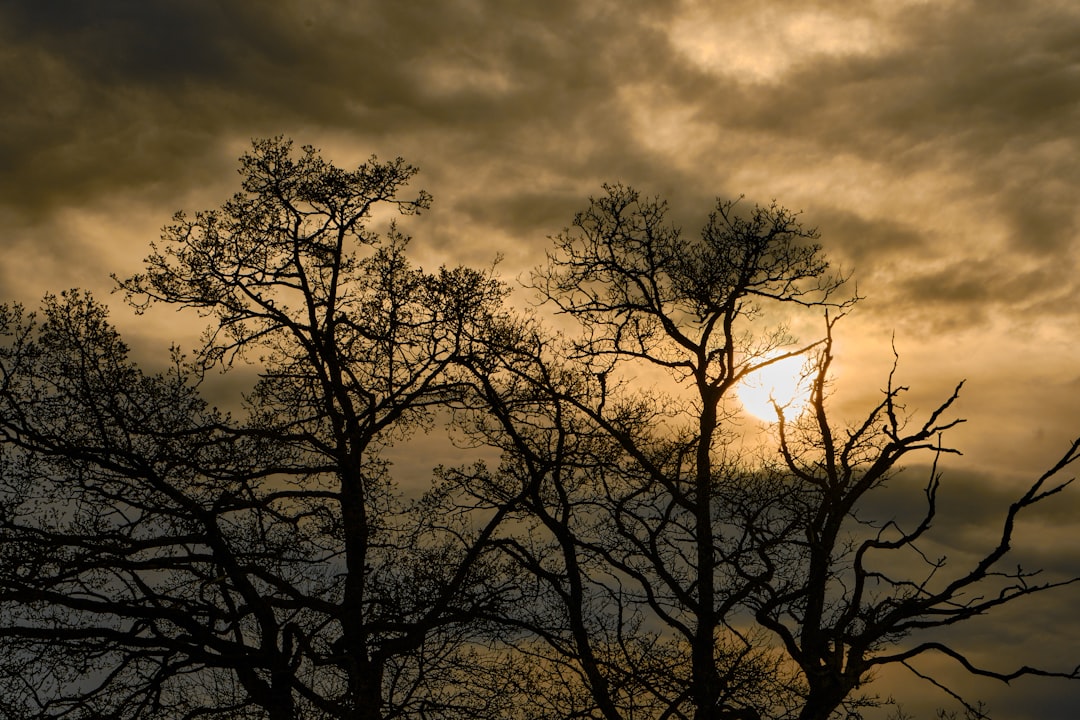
column 838, row 609
column 624, row 559
column 678, row 578
column 271, row 562
column 136, row 536
column 627, row 484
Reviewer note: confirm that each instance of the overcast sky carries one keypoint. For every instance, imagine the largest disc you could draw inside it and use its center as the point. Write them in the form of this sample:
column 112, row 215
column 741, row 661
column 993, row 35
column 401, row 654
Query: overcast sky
column 934, row 144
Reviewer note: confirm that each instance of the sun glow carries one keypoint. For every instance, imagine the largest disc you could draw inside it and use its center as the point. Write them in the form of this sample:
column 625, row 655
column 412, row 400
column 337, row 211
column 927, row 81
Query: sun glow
column 784, row 382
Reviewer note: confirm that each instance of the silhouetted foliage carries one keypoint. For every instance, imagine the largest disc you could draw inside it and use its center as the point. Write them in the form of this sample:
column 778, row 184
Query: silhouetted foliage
column 623, row 558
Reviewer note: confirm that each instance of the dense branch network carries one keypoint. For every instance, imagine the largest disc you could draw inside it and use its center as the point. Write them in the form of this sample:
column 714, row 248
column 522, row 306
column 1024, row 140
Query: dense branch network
column 609, row 552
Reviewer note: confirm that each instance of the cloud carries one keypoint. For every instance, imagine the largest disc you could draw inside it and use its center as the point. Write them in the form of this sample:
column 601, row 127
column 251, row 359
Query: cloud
column 933, row 143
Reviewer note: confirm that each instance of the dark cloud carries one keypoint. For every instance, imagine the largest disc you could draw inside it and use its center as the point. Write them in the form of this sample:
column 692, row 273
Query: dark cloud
column 966, row 78
column 130, row 90
column 971, row 107
column 988, row 91
column 866, row 244
column 985, row 283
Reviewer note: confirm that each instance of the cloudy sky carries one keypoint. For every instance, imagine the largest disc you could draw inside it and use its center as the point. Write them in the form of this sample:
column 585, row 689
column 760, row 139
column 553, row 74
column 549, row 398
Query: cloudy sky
column 933, row 142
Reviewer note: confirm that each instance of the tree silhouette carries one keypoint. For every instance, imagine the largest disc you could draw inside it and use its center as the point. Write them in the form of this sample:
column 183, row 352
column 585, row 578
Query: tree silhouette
column 274, row 564
column 834, row 603
column 627, row 484
column 678, row 577
column 160, row 557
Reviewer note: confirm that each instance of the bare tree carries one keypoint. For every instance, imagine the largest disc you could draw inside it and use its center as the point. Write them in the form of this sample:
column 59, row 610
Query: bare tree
column 626, row 483
column 336, row 595
column 159, row 557
column 832, row 600
column 675, row 577
column 137, row 540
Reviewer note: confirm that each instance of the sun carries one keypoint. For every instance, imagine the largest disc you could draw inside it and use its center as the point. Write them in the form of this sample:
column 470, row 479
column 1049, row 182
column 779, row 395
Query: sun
column 784, row 382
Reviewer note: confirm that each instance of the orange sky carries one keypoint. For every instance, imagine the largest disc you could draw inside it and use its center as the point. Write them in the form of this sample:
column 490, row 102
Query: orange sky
column 934, row 144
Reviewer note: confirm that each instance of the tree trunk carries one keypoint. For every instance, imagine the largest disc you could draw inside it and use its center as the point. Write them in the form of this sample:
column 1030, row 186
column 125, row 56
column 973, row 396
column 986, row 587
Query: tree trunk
column 705, row 680
column 280, row 705
column 364, row 696
column 365, row 693
column 824, row 697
